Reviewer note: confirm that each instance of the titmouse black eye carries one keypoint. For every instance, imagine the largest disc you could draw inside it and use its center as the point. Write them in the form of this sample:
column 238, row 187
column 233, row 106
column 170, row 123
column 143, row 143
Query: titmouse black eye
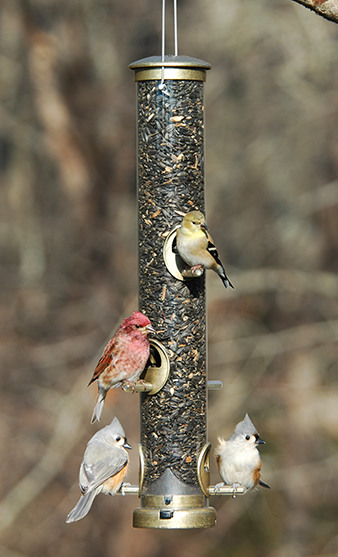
column 247, row 437
column 118, row 438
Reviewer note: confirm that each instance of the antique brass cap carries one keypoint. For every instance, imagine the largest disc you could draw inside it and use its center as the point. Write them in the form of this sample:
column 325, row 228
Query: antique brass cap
column 175, row 67
column 174, row 512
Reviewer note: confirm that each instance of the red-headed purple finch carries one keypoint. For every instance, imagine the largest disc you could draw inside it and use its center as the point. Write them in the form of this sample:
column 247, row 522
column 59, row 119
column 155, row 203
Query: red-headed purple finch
column 123, row 359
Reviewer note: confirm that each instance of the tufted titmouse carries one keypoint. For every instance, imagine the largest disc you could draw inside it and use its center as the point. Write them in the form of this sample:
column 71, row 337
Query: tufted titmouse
column 103, row 467
column 238, row 459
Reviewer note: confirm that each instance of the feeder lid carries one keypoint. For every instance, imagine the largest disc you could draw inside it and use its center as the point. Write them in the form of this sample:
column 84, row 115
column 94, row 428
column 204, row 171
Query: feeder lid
column 176, row 67
column 170, row 60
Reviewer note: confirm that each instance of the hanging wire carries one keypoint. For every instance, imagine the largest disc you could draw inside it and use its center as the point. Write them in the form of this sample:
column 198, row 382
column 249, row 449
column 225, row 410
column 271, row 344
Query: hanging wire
column 161, row 85
column 163, row 29
column 175, row 28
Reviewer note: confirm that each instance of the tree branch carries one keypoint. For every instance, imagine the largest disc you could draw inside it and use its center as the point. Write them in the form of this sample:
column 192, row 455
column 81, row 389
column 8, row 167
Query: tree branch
column 325, row 8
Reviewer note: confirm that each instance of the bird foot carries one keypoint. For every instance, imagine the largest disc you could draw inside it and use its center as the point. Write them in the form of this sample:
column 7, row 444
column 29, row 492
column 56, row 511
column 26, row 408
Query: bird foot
column 218, row 486
column 122, row 488
column 196, row 267
column 195, row 271
column 130, row 385
column 234, row 487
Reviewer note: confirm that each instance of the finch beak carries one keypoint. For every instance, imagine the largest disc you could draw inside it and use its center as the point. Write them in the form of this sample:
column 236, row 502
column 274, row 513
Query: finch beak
column 204, row 226
column 126, row 445
column 149, row 329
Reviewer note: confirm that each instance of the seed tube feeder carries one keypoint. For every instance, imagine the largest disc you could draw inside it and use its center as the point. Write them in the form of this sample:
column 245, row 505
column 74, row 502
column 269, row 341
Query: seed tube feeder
column 174, row 453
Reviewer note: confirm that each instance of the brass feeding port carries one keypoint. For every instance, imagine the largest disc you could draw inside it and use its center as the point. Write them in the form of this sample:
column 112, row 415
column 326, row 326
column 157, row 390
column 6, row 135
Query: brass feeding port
column 156, row 374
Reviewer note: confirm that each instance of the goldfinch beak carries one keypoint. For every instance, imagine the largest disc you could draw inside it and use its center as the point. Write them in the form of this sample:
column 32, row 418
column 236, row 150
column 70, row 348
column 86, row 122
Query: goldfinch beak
column 204, row 226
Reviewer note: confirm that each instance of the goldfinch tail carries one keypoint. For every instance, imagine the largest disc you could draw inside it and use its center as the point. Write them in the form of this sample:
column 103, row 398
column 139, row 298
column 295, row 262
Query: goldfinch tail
column 225, row 279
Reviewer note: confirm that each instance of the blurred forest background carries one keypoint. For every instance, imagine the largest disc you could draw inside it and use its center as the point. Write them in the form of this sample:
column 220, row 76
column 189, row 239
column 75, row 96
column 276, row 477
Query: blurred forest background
column 69, row 264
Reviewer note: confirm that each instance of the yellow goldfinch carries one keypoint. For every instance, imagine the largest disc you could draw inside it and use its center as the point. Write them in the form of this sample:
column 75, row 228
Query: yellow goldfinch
column 196, row 247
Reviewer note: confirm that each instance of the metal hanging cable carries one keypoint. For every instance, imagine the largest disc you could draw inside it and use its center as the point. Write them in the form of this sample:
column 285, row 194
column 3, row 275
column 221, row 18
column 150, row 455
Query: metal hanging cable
column 175, row 28
column 161, row 85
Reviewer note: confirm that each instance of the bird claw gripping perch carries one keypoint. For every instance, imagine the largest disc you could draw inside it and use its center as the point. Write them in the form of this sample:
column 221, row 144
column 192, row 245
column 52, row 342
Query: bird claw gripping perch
column 235, row 486
column 196, row 271
column 123, row 487
column 218, row 486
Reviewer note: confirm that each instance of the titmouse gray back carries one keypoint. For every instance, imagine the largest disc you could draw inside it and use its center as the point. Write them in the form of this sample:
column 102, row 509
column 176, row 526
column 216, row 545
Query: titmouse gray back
column 103, row 467
column 104, row 456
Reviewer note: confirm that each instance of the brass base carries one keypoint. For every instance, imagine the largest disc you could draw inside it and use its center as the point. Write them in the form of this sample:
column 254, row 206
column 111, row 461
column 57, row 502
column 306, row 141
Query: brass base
column 174, row 512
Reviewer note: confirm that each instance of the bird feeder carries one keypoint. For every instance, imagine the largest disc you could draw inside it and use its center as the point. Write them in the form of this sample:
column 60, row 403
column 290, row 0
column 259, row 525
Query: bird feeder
column 174, row 453
column 174, row 478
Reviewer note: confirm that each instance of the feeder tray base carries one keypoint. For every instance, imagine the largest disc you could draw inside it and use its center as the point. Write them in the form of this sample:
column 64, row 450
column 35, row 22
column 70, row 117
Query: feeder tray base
column 182, row 512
